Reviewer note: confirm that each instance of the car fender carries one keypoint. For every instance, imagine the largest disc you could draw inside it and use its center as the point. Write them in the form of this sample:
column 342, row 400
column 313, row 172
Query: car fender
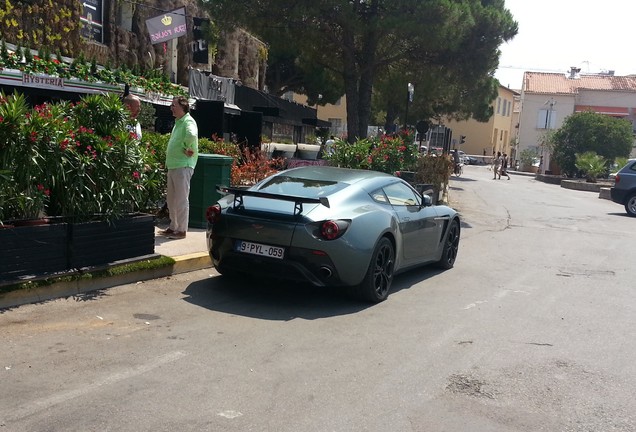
column 351, row 253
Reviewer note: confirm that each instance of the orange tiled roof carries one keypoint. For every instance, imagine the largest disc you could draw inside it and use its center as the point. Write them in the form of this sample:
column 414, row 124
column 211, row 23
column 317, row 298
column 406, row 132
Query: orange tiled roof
column 559, row 83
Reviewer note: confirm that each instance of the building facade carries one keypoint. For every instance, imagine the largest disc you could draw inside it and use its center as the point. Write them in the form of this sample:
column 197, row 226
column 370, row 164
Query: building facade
column 547, row 99
column 496, row 135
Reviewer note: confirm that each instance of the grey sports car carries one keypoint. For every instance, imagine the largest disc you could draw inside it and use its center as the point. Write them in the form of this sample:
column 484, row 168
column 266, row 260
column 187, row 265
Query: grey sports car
column 331, row 227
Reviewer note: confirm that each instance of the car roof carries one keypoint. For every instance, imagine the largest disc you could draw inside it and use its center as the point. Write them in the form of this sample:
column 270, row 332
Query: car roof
column 341, row 175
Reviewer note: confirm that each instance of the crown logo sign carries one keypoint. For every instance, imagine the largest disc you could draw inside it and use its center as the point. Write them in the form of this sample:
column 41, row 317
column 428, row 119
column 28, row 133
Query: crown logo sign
column 166, row 20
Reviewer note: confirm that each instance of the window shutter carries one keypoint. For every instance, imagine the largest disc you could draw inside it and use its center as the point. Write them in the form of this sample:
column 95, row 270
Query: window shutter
column 542, row 119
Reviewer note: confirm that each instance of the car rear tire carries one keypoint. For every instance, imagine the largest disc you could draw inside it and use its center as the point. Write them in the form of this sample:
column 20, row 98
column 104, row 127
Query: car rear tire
column 451, row 247
column 377, row 282
column 630, row 205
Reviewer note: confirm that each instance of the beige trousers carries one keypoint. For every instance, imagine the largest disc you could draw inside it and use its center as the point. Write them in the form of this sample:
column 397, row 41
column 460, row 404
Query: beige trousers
column 178, row 198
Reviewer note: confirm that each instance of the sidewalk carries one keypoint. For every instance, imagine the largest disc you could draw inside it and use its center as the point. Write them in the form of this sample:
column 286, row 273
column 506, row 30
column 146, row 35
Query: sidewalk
column 193, row 245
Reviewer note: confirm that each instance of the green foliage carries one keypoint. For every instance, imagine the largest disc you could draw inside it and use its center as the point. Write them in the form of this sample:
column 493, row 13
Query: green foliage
column 75, row 161
column 87, row 71
column 607, row 136
column 527, row 157
column 146, row 116
column 619, row 163
column 385, row 154
column 591, row 164
column 350, row 44
column 217, row 145
column 355, row 155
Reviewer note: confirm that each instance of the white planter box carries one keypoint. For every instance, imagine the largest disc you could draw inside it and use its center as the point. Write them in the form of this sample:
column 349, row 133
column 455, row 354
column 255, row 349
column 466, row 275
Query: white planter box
column 278, row 149
column 308, row 151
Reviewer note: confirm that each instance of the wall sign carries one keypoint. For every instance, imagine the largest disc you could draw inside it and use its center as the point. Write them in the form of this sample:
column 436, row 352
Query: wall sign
column 92, row 20
column 168, row 26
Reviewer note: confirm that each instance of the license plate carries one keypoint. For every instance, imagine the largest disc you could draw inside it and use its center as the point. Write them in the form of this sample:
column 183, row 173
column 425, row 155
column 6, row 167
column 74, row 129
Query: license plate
column 260, row 249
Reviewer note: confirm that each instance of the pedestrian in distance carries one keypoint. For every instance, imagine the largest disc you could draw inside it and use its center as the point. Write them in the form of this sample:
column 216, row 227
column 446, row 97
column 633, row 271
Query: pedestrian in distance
column 329, row 145
column 504, row 166
column 496, row 166
column 456, row 162
column 182, row 153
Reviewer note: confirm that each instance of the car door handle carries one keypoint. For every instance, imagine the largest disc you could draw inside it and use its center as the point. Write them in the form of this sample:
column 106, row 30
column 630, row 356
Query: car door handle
column 406, row 219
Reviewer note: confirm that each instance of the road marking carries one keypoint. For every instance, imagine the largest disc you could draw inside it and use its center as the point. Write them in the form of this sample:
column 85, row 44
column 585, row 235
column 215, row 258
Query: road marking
column 230, row 414
column 472, row 305
column 499, row 295
column 56, row 399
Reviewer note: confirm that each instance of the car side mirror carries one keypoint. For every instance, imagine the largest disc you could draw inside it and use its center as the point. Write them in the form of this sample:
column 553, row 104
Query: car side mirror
column 427, row 200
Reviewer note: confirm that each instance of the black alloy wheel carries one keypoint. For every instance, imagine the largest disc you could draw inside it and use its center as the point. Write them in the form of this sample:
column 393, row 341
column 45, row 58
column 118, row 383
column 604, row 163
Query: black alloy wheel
column 377, row 281
column 451, row 246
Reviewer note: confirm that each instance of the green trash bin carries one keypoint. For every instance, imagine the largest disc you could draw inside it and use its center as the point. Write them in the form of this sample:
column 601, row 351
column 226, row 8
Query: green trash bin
column 211, row 170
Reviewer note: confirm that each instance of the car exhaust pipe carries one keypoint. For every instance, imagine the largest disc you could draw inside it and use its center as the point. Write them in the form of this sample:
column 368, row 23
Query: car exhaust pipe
column 325, row 272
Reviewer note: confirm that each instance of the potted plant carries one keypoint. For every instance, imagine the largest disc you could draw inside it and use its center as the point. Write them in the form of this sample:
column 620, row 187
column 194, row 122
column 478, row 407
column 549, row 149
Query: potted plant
column 591, row 164
column 78, row 163
column 527, row 159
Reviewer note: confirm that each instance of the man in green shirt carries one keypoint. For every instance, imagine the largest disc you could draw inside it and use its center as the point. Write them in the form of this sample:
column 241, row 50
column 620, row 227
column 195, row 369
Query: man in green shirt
column 181, row 158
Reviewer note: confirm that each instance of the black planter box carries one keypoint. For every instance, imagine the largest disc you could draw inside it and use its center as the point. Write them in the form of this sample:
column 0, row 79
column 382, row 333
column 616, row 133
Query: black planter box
column 33, row 250
column 96, row 243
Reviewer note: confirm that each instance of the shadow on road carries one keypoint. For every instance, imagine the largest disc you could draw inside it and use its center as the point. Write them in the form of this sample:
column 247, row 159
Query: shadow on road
column 283, row 300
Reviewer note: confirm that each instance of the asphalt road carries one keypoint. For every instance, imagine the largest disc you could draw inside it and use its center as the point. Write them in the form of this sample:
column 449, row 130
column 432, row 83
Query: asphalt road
column 533, row 330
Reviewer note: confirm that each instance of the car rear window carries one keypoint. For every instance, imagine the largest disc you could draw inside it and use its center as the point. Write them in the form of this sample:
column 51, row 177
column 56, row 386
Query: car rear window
column 294, row 186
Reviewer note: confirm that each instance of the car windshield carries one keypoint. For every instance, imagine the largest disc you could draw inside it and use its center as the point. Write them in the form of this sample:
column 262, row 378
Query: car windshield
column 301, row 187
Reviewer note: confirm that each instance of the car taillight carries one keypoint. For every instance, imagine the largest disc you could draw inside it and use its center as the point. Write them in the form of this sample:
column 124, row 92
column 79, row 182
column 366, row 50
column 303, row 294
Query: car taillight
column 617, row 178
column 213, row 213
column 332, row 229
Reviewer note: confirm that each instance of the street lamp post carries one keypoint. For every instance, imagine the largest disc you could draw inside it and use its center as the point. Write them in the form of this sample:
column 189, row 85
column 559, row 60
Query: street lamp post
column 410, row 89
column 545, row 153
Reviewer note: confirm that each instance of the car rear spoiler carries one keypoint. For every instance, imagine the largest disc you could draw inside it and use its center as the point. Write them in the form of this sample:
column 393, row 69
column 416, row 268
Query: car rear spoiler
column 239, row 193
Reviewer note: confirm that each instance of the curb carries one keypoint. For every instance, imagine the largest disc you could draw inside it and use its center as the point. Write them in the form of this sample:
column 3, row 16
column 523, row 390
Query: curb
column 183, row 264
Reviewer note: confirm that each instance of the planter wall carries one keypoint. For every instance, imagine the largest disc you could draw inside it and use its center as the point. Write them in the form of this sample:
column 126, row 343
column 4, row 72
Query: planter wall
column 41, row 250
column 94, row 243
column 33, row 250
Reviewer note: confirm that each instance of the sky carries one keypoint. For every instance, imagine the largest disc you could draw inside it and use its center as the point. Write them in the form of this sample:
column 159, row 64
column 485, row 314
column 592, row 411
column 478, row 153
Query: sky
column 557, row 34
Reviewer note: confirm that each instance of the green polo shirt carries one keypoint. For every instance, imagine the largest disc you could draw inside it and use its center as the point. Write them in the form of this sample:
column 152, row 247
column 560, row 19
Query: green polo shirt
column 185, row 135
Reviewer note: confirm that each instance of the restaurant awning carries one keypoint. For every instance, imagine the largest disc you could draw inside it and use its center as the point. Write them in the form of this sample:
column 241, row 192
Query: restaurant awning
column 316, row 122
column 612, row 111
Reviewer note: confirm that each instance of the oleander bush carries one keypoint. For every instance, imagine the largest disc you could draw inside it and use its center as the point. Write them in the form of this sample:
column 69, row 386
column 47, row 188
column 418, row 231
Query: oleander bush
column 76, row 161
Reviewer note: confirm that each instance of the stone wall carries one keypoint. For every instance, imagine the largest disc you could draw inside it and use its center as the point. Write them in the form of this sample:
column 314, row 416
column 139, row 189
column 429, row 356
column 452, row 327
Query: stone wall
column 57, row 25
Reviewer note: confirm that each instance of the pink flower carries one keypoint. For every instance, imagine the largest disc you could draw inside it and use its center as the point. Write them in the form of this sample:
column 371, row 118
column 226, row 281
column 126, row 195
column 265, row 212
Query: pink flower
column 136, row 175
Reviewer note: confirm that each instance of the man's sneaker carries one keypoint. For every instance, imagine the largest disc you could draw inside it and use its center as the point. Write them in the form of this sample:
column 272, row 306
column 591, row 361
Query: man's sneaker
column 166, row 232
column 177, row 235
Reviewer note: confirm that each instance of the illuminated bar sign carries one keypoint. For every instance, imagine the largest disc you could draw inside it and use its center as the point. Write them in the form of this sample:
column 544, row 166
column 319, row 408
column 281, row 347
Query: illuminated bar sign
column 168, row 26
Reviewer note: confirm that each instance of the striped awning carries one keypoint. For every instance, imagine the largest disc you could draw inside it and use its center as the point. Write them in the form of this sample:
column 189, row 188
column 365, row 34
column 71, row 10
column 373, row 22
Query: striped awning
column 612, row 111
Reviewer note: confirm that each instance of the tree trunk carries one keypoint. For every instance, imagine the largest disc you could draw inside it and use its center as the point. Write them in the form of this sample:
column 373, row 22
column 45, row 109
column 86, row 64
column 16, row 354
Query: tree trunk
column 351, row 87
